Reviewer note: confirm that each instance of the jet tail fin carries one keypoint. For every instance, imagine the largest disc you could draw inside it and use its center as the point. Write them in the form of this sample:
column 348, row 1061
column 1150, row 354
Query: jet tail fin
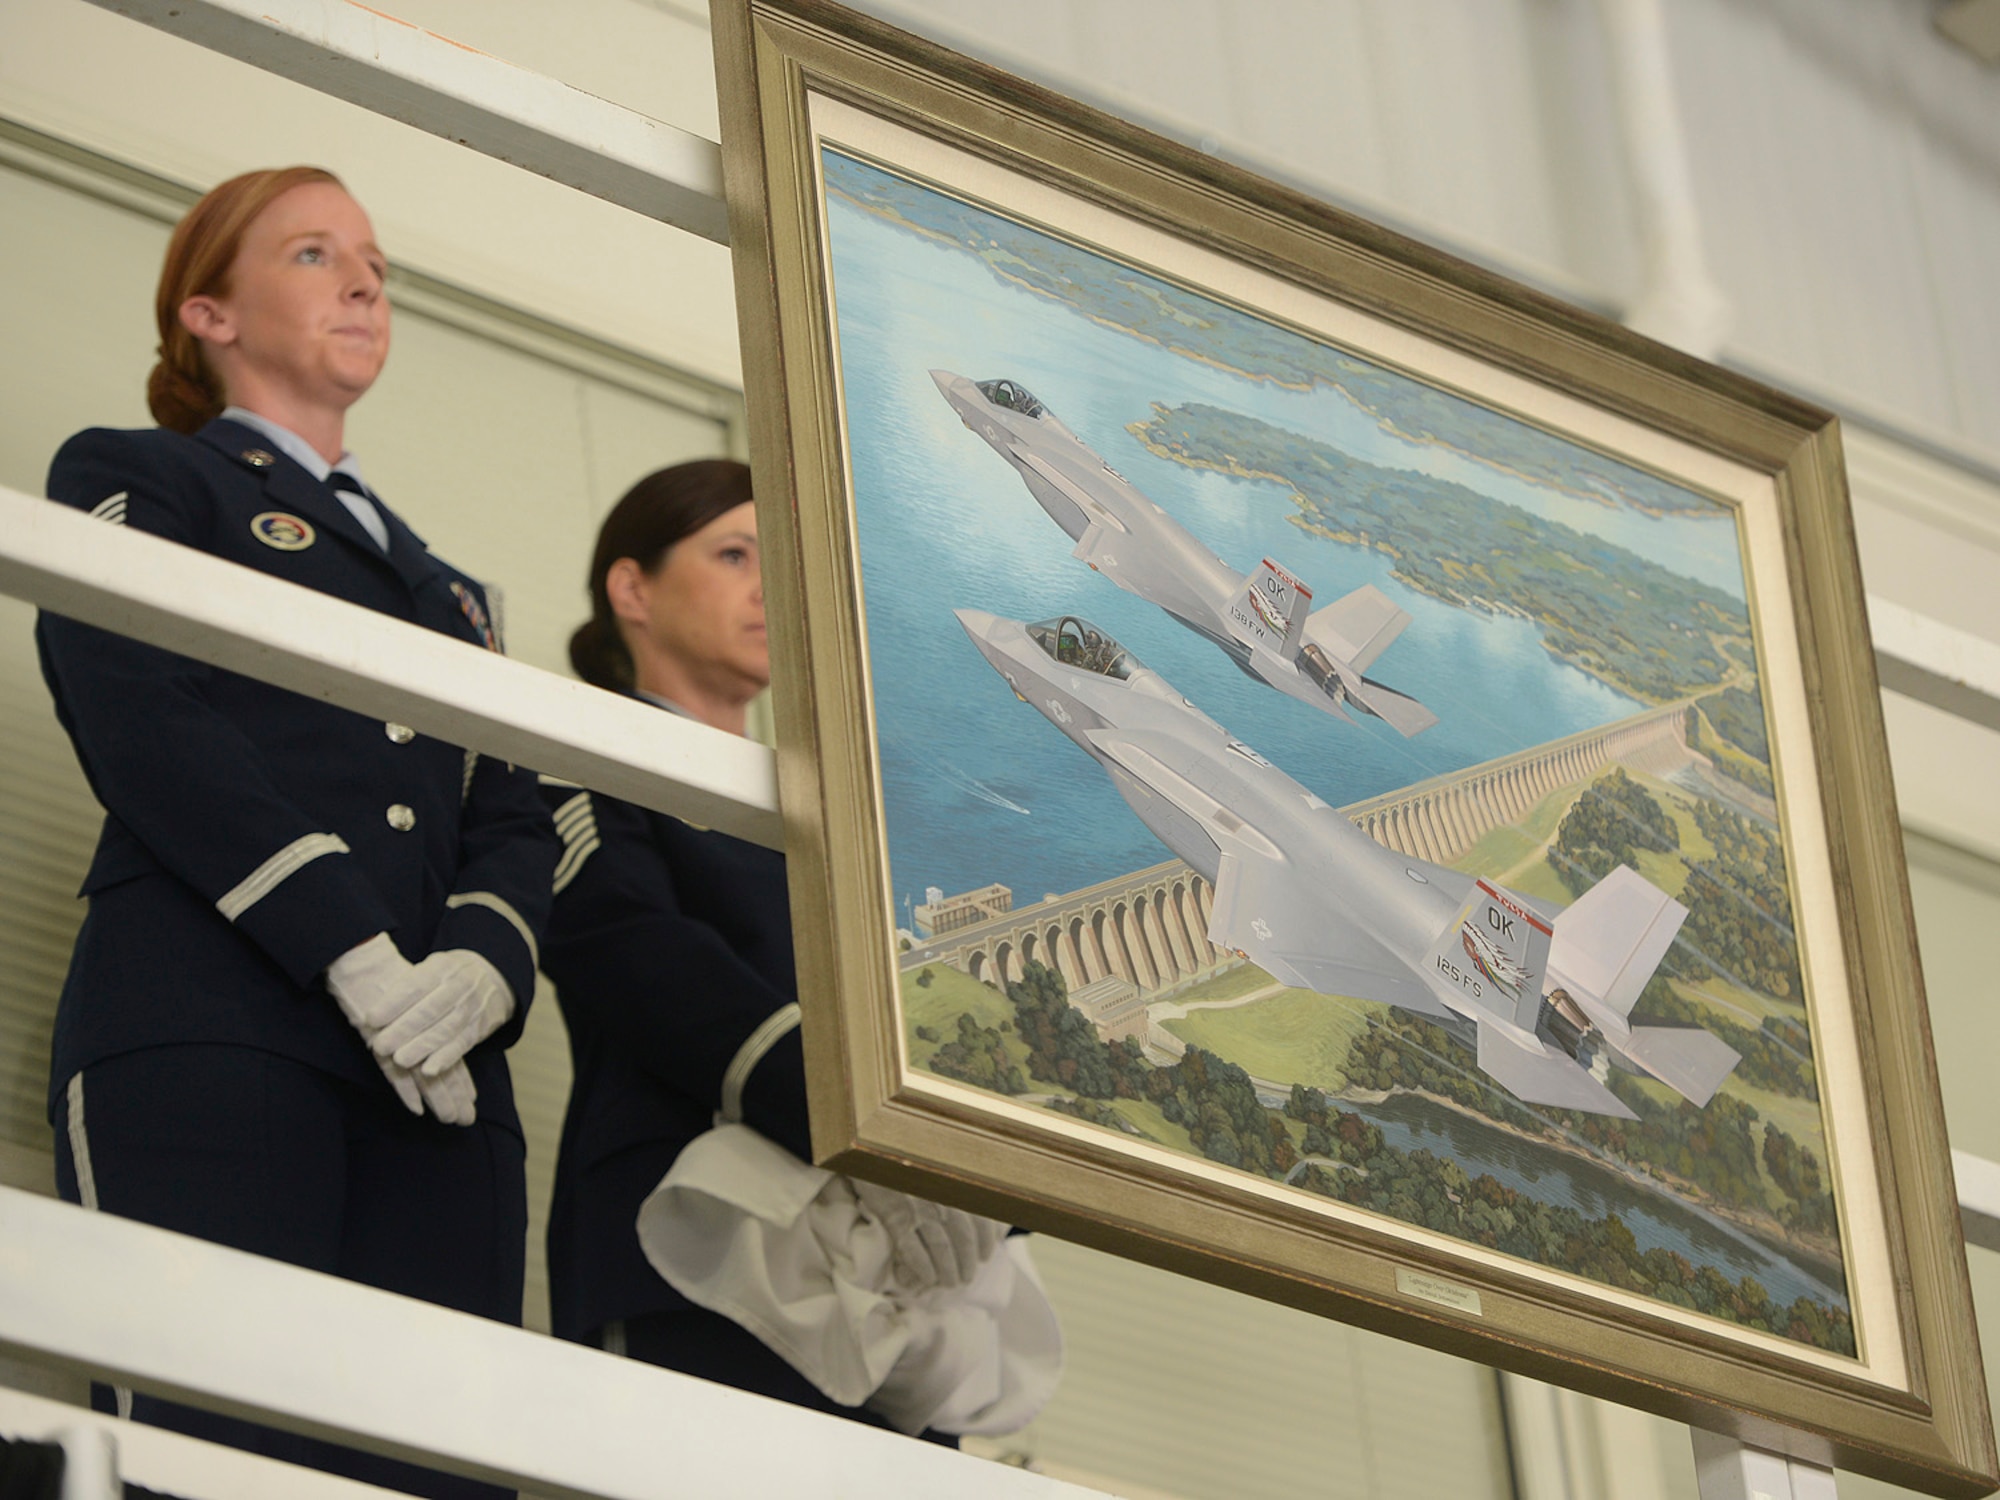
column 1494, row 955
column 1609, row 942
column 1271, row 610
column 1607, row 946
column 1358, row 627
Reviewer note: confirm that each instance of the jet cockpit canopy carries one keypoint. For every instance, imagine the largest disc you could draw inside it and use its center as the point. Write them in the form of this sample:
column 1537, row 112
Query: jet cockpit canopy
column 1075, row 642
column 1014, row 397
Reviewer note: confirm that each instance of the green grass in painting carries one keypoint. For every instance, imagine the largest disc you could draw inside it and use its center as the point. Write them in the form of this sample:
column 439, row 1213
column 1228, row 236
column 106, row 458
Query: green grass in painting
column 1154, row 1125
column 938, row 1005
column 1746, row 1007
column 1798, row 1118
column 1501, row 848
column 1228, row 985
column 1293, row 1037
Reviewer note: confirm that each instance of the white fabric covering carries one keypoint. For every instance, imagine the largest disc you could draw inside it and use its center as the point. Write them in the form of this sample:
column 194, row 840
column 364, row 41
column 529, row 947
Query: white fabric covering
column 741, row 1226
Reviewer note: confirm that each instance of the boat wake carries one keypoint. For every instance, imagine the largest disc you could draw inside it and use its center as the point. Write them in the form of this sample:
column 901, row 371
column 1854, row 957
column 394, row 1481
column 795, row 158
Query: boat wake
column 974, row 787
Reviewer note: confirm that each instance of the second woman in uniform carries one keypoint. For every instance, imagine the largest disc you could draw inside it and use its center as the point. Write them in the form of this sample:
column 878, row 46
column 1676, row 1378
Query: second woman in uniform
column 671, row 950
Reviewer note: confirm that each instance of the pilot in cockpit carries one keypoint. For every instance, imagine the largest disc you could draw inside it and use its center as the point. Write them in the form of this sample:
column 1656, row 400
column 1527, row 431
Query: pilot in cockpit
column 1014, row 397
column 1077, row 643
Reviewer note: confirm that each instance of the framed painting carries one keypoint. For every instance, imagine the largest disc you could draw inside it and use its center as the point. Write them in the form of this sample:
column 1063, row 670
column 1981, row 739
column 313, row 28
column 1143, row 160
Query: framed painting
column 1313, row 766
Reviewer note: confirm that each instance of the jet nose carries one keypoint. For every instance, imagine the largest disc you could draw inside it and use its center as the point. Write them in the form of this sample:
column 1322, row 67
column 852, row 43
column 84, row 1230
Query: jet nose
column 953, row 387
column 977, row 623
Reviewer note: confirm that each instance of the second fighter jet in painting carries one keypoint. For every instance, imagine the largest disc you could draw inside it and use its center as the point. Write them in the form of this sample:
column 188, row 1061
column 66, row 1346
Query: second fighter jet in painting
column 1263, row 620
column 1544, row 997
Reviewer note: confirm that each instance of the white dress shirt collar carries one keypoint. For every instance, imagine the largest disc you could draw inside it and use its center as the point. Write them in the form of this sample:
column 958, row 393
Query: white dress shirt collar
column 667, row 703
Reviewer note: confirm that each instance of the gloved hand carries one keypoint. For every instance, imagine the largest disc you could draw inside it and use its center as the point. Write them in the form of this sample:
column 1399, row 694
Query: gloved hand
column 450, row 1095
column 463, row 1001
column 934, row 1246
column 375, row 985
column 371, row 984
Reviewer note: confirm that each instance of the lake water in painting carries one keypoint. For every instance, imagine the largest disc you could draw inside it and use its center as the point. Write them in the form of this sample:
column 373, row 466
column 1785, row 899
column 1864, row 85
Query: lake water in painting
column 1584, row 559
column 978, row 787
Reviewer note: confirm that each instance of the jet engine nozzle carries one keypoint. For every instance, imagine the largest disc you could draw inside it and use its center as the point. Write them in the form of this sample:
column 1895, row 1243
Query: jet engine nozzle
column 1567, row 1026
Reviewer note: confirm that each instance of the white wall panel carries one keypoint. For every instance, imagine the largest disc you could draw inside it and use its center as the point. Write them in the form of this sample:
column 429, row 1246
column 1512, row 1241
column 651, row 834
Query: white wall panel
column 1589, row 196
column 1184, row 50
column 1958, row 206
column 1929, row 535
column 1830, row 199
column 177, row 109
column 1174, row 1387
column 1338, row 121
column 1434, row 114
column 1726, row 67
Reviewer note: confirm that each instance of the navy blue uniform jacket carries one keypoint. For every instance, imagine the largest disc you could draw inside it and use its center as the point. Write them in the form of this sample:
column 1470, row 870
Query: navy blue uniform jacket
column 252, row 835
column 671, row 951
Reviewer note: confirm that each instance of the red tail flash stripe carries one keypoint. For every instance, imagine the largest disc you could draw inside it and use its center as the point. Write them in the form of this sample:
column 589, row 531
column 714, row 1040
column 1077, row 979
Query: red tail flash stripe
column 1286, row 575
column 1503, row 899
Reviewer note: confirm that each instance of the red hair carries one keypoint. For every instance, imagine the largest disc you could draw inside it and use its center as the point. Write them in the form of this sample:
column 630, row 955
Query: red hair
column 183, row 391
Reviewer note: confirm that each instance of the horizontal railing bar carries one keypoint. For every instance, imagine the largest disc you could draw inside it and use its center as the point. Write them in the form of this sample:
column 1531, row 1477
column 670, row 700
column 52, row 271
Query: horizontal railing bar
column 370, row 58
column 170, row 1463
column 298, row 1349
column 1936, row 663
column 297, row 638
column 1978, row 1198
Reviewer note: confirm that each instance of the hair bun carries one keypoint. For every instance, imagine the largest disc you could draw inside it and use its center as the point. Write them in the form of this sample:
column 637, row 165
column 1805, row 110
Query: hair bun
column 179, row 403
column 599, row 657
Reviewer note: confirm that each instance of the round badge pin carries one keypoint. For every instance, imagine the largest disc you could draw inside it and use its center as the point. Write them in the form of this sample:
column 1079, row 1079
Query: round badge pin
column 287, row 533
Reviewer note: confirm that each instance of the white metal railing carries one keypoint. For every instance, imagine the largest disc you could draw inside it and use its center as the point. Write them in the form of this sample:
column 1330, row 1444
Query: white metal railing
column 1936, row 663
column 279, row 632
column 445, row 88
column 312, row 1353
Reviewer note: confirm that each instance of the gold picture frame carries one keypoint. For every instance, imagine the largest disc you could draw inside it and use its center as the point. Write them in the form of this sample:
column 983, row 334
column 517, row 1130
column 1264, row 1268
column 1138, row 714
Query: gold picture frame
column 891, row 202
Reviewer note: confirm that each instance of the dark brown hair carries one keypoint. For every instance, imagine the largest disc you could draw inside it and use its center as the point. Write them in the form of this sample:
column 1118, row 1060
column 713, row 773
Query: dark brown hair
column 183, row 391
column 655, row 513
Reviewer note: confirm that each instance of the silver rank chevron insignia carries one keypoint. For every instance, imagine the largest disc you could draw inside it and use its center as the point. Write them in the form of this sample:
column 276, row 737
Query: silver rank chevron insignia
column 476, row 613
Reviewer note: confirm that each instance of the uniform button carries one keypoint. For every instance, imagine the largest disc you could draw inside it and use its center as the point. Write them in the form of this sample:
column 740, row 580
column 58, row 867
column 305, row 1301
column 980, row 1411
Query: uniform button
column 401, row 817
column 402, row 734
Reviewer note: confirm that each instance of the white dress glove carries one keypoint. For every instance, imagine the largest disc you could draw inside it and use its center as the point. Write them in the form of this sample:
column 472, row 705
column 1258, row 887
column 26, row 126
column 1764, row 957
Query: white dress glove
column 464, row 1001
column 934, row 1246
column 374, row 985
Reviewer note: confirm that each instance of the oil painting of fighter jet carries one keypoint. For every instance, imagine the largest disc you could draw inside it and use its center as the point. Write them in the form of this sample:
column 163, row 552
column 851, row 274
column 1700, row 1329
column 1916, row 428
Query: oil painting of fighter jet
column 1544, row 997
column 1262, row 620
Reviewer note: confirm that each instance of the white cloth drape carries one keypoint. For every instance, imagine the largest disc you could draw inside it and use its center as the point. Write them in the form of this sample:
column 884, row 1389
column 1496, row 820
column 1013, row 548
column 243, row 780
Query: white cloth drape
column 741, row 1226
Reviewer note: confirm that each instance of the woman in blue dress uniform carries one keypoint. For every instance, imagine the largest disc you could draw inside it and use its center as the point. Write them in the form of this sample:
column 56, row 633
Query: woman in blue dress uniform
column 671, row 951
column 310, row 934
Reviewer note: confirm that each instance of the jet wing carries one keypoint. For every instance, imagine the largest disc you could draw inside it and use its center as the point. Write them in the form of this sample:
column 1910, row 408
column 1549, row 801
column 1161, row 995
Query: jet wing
column 1538, row 1074
column 1687, row 1059
column 1084, row 504
column 1302, row 938
column 1358, row 627
column 1399, row 711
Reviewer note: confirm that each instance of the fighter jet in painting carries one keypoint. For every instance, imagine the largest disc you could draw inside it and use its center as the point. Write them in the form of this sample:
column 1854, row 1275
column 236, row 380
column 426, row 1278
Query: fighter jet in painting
column 1263, row 620
column 1543, row 996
